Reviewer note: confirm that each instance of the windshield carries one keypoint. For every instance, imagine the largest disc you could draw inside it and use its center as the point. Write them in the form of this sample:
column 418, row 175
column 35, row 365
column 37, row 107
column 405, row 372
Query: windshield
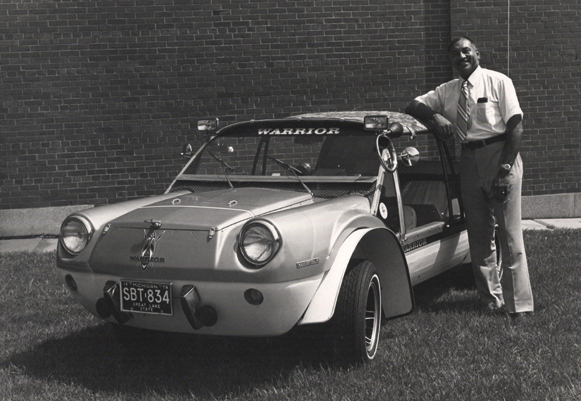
column 322, row 152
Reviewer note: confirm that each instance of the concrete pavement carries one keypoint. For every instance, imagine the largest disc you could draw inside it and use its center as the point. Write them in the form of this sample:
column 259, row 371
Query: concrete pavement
column 551, row 224
column 37, row 244
column 48, row 243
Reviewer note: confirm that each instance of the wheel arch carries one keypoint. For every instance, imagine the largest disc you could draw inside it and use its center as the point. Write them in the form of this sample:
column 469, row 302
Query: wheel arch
column 380, row 246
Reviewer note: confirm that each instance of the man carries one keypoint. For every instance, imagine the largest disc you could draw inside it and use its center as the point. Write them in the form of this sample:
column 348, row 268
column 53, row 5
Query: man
column 481, row 108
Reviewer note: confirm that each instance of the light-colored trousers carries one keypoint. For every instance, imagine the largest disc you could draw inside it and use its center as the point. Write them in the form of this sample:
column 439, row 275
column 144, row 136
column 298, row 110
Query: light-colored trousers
column 478, row 169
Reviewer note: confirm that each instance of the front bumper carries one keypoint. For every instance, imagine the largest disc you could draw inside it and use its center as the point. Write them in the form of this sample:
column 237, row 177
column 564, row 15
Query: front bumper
column 281, row 309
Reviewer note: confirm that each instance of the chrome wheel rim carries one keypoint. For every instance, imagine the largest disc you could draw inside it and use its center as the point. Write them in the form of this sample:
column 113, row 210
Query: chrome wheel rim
column 372, row 316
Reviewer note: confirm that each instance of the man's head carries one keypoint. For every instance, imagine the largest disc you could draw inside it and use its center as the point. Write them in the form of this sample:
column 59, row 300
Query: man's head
column 464, row 56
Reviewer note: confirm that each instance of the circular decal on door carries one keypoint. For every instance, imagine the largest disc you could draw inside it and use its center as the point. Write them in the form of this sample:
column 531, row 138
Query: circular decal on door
column 383, row 211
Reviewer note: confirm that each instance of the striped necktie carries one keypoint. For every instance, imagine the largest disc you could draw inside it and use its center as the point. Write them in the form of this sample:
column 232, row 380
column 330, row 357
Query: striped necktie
column 463, row 112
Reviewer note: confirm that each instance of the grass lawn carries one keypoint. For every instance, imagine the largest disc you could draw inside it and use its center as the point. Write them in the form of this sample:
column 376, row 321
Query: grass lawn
column 51, row 349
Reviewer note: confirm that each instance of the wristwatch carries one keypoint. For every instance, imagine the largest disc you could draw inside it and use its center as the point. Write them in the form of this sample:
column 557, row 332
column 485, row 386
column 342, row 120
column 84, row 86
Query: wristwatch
column 506, row 166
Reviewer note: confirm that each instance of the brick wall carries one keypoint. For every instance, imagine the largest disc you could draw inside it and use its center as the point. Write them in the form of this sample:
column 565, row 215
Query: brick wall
column 98, row 97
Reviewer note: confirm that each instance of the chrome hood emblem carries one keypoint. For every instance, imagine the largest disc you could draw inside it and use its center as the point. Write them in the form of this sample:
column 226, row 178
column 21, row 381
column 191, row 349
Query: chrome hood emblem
column 151, row 237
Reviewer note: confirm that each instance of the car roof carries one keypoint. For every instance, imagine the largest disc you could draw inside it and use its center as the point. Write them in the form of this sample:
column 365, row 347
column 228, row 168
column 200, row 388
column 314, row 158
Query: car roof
column 408, row 122
column 347, row 118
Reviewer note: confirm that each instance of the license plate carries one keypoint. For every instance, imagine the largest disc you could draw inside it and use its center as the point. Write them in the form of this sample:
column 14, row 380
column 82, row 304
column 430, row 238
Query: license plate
column 143, row 297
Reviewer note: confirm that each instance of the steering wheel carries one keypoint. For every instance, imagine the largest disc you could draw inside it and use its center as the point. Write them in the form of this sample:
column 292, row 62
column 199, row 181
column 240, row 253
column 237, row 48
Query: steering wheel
column 390, row 165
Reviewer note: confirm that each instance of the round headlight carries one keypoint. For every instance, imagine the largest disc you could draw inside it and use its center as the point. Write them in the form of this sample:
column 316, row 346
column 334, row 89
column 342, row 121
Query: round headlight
column 75, row 234
column 259, row 242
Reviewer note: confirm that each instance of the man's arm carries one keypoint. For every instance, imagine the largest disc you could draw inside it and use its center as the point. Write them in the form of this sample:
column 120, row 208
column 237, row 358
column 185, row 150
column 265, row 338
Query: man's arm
column 420, row 111
column 513, row 143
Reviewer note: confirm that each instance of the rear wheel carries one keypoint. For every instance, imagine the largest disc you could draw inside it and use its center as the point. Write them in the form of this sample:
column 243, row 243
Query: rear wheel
column 357, row 319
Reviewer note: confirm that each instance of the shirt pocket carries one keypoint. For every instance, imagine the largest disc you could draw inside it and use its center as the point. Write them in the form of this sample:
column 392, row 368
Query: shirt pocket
column 488, row 113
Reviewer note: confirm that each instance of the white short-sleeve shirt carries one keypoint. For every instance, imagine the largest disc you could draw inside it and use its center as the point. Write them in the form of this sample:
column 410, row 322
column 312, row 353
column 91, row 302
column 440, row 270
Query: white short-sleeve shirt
column 492, row 102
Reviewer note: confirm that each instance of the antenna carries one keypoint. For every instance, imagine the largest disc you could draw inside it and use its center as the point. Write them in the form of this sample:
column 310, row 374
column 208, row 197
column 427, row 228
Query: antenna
column 508, row 40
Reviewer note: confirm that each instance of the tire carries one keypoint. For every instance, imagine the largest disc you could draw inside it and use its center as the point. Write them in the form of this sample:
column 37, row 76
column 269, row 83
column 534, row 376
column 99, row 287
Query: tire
column 358, row 315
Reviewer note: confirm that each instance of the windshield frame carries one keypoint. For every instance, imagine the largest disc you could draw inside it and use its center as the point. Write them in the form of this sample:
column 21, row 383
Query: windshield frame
column 308, row 132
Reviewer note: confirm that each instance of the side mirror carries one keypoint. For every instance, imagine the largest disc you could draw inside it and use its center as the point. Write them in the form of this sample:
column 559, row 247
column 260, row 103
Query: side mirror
column 305, row 168
column 187, row 151
column 409, row 156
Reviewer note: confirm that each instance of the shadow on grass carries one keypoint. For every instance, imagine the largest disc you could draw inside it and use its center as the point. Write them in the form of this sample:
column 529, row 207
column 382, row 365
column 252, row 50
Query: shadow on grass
column 146, row 362
column 139, row 362
column 453, row 290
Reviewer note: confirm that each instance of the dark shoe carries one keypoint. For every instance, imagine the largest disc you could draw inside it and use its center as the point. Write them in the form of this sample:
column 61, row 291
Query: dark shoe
column 493, row 309
column 519, row 316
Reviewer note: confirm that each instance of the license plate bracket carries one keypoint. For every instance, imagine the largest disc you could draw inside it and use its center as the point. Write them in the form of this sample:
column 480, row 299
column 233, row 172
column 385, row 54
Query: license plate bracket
column 146, row 297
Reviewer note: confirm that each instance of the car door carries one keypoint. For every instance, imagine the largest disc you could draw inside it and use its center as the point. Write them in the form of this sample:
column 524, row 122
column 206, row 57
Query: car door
column 421, row 203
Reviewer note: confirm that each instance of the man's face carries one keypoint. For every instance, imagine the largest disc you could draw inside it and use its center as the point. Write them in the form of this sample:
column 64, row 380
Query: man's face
column 465, row 57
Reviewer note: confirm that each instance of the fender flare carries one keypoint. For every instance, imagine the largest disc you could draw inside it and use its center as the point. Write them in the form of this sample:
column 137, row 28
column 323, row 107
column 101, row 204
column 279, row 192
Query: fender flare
column 380, row 246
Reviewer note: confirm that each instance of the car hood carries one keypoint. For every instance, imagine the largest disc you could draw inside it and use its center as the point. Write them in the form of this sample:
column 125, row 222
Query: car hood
column 183, row 233
column 216, row 209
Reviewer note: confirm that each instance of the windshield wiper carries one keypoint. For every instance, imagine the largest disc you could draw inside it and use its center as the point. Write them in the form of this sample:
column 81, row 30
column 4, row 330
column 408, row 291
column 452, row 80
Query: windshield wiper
column 225, row 165
column 293, row 170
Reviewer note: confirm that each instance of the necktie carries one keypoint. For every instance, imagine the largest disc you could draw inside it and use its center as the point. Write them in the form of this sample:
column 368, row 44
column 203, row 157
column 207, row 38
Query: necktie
column 463, row 112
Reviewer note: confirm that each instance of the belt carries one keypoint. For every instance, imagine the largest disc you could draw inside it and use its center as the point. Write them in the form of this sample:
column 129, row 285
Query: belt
column 483, row 142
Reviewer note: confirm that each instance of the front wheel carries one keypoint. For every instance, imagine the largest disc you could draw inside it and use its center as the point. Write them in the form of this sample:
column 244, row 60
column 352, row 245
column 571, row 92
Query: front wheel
column 357, row 319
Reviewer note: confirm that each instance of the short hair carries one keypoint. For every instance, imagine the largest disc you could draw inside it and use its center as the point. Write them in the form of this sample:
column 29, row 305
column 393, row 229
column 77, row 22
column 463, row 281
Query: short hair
column 458, row 39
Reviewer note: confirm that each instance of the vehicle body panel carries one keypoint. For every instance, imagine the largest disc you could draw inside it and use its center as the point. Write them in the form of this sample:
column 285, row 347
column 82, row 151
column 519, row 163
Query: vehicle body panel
column 316, row 182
